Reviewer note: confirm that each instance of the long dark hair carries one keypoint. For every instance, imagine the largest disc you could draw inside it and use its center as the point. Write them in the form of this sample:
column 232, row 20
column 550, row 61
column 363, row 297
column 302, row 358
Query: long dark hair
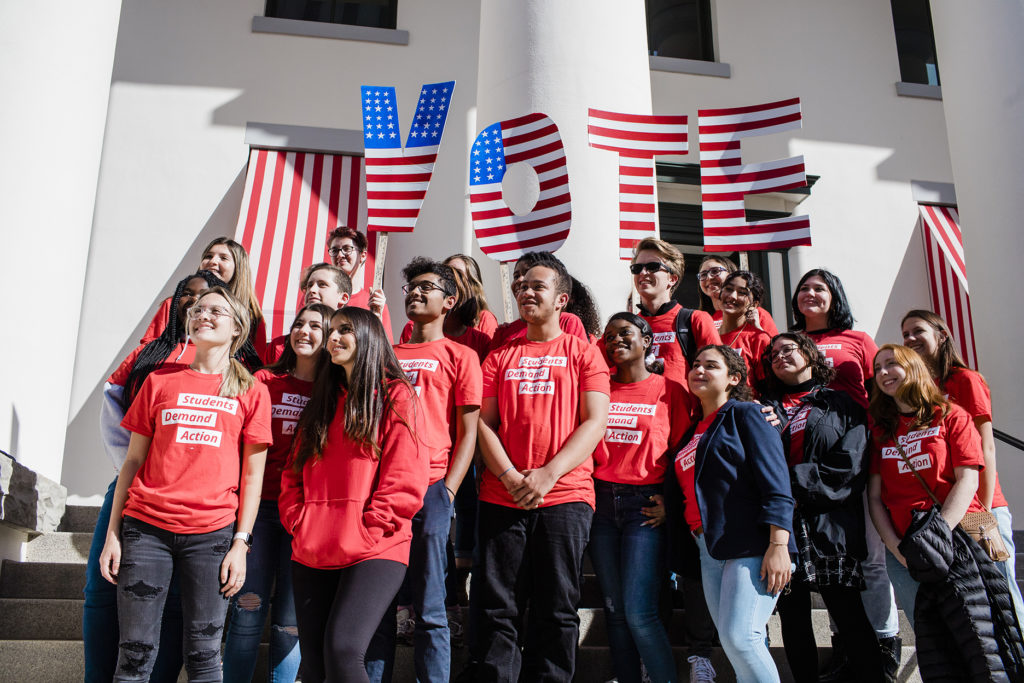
column 821, row 373
column 582, row 304
column 368, row 396
column 706, row 304
column 840, row 317
column 652, row 364
column 286, row 363
column 155, row 353
column 948, row 357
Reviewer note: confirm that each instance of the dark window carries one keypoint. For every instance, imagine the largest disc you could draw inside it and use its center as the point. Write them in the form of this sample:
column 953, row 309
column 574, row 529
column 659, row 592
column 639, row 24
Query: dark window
column 915, row 41
column 373, row 13
column 680, row 29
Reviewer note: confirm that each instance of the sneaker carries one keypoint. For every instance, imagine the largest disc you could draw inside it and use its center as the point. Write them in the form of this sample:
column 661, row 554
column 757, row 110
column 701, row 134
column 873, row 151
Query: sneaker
column 701, row 670
column 406, row 627
column 455, row 626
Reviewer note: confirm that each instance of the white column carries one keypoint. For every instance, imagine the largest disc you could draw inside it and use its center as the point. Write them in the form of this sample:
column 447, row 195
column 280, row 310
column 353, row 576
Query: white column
column 559, row 58
column 980, row 56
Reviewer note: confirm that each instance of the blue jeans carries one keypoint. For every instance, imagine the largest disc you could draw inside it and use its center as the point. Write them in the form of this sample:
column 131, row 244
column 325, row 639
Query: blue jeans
column 627, row 558
column 1002, row 515
column 904, row 585
column 269, row 565
column 465, row 515
column 740, row 607
column 878, row 599
column 99, row 618
column 148, row 558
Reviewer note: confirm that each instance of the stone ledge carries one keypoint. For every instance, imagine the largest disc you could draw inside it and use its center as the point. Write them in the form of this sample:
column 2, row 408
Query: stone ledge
column 28, row 501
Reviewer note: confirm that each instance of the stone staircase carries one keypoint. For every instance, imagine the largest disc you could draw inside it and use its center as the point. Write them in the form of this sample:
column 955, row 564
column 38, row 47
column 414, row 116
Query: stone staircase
column 41, row 619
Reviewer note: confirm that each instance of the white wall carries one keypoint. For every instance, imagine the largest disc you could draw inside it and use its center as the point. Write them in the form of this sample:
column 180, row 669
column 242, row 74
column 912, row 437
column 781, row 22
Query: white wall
column 57, row 62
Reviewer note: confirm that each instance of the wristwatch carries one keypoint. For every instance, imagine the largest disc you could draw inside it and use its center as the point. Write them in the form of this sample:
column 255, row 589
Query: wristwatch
column 246, row 538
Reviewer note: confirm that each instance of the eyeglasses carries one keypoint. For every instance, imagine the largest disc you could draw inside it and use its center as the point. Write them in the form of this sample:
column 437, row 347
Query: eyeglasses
column 424, row 286
column 711, row 272
column 346, row 250
column 196, row 312
column 784, row 352
column 650, row 267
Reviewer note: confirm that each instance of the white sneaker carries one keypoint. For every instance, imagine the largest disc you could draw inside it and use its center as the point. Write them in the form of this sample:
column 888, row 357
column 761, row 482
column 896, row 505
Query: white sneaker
column 701, row 670
column 406, row 626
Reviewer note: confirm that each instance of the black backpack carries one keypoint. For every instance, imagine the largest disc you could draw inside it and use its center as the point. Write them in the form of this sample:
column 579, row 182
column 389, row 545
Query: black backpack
column 684, row 320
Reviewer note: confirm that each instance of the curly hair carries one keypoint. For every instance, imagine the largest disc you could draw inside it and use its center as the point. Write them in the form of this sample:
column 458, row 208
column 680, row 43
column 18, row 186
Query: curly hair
column 734, row 365
column 821, row 373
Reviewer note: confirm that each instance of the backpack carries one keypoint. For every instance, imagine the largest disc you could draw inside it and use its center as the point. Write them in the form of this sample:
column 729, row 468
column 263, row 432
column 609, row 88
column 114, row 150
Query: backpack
column 684, row 320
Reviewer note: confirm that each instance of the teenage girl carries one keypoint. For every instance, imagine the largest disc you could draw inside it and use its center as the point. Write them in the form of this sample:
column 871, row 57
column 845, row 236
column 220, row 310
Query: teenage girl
column 736, row 502
column 228, row 260
column 187, row 494
column 289, row 382
column 928, row 334
column 739, row 298
column 710, row 278
column 348, row 496
column 648, row 415
column 467, row 266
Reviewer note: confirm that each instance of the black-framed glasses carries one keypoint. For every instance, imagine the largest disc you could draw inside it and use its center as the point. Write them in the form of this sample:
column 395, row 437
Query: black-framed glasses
column 424, row 286
column 346, row 250
column 784, row 352
column 650, row 267
column 711, row 272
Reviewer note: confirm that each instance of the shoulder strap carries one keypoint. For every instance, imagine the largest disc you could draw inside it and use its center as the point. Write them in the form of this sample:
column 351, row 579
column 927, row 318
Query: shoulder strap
column 920, row 480
column 684, row 320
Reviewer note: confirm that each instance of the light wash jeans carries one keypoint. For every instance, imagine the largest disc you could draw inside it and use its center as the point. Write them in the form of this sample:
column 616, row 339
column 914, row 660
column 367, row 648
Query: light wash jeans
column 878, row 599
column 740, row 607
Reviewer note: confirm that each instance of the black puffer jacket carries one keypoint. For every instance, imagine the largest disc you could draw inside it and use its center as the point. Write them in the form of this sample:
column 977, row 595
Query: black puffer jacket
column 828, row 522
column 964, row 620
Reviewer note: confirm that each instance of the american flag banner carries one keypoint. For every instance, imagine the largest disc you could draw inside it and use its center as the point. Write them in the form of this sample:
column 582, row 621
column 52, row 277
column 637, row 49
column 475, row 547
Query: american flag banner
column 291, row 202
column 531, row 139
column 725, row 179
column 397, row 178
column 947, row 275
column 637, row 138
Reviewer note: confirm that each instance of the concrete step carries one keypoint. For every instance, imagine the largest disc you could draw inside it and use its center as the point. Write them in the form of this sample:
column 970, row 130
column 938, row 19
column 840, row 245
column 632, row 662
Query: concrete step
column 65, row 547
column 61, row 661
column 79, row 518
column 41, row 580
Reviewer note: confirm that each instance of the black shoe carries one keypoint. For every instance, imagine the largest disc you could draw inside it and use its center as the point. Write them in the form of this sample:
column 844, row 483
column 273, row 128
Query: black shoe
column 838, row 668
column 892, row 649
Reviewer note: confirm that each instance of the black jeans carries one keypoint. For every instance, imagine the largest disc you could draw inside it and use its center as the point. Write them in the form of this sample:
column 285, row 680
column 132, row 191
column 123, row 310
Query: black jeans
column 337, row 611
column 530, row 558
column 150, row 555
column 847, row 610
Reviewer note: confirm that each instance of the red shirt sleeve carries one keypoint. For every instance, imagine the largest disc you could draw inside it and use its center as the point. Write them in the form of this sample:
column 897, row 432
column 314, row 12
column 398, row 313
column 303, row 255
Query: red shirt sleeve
column 571, row 324
column 767, row 322
column 158, row 323
column 681, row 407
column 968, row 390
column 703, row 329
column 256, row 429
column 469, row 387
column 869, row 349
column 406, row 334
column 594, row 374
column 487, row 323
column 291, row 500
column 140, row 417
column 963, row 440
column 120, row 375
column 489, row 377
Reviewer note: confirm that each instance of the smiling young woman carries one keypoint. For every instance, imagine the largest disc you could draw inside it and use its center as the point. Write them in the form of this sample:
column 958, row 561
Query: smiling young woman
column 710, row 277
column 741, row 293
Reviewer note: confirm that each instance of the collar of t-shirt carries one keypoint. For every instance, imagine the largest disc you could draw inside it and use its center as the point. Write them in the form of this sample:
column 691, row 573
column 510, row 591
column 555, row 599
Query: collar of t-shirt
column 664, row 308
column 703, row 425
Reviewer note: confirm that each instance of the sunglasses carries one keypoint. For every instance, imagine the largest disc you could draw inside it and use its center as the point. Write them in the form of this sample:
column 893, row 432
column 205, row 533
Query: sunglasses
column 650, row 267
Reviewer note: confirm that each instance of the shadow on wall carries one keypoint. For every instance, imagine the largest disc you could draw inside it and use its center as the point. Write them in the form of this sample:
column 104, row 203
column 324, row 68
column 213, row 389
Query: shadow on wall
column 910, row 291
column 87, row 470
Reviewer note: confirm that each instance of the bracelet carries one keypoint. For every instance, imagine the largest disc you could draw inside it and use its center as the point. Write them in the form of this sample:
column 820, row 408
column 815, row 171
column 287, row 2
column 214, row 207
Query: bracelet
column 771, row 542
column 450, row 491
column 505, row 472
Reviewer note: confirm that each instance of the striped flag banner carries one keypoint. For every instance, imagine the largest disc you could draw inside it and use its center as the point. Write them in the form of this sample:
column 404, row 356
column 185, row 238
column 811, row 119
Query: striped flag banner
column 291, row 203
column 725, row 179
column 532, row 139
column 637, row 138
column 397, row 178
column 947, row 275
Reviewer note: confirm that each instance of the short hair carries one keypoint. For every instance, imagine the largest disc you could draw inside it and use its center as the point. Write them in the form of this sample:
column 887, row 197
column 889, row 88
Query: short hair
column 563, row 281
column 734, row 365
column 341, row 278
column 672, row 257
column 840, row 317
column 343, row 231
column 422, row 265
column 754, row 284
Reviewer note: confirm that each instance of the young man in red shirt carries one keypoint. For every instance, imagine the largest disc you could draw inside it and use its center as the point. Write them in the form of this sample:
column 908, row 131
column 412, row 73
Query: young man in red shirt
column 347, row 249
column 321, row 283
column 446, row 376
column 544, row 410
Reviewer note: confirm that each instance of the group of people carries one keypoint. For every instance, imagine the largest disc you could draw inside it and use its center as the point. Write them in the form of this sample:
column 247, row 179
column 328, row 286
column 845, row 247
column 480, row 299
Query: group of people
column 314, row 477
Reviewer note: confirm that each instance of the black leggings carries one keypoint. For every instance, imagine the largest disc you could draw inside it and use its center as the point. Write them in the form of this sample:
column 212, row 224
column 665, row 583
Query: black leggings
column 337, row 611
column 847, row 610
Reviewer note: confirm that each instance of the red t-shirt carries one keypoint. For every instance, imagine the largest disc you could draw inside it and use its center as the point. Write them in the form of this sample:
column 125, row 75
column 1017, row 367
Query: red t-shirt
column 645, row 419
column 666, row 347
column 568, row 322
column 934, row 451
column 176, row 358
column 288, row 396
column 274, row 349
column 763, row 316
column 751, row 343
column 190, row 479
column 851, row 354
column 968, row 389
column 158, row 324
column 445, row 375
column 472, row 338
column 686, row 474
column 796, row 414
column 485, row 326
column 361, row 299
column 539, row 387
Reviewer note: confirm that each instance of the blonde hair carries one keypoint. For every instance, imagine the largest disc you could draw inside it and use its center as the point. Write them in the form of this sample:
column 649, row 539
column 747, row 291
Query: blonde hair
column 236, row 379
column 672, row 257
column 241, row 284
column 918, row 391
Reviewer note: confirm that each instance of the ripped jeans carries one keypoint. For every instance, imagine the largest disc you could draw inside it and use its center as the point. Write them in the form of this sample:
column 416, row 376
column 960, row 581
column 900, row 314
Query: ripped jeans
column 149, row 555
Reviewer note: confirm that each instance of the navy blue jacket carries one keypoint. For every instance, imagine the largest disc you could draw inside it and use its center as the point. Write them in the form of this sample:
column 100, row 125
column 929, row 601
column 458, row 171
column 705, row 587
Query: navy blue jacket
column 742, row 484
